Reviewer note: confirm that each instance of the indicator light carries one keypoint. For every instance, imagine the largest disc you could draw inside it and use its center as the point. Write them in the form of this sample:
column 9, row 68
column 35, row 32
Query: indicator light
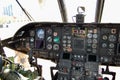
column 56, row 39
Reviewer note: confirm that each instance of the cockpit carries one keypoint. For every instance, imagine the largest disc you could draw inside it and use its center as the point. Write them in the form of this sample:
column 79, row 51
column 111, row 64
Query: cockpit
column 63, row 40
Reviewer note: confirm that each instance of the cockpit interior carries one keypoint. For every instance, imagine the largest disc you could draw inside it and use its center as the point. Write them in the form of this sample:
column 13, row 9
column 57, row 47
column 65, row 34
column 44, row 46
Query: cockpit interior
column 59, row 40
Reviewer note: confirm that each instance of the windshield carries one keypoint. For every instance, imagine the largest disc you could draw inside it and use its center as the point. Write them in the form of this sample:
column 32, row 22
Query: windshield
column 111, row 13
column 45, row 10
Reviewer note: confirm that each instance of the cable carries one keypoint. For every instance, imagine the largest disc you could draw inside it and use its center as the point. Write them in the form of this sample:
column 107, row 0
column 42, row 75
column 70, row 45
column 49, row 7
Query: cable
column 73, row 18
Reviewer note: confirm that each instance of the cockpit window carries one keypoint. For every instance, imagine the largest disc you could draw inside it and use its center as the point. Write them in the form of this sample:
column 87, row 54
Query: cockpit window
column 44, row 10
column 111, row 13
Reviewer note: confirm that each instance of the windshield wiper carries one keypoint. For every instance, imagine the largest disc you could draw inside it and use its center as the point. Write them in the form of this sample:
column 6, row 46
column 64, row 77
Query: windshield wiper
column 26, row 13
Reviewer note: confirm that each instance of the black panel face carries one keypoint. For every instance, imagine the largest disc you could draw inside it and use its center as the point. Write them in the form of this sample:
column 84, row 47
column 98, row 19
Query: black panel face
column 92, row 58
column 78, row 43
column 78, row 49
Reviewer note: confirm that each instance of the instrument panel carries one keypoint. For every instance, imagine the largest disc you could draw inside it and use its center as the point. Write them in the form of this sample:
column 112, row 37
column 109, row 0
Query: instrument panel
column 96, row 41
column 77, row 49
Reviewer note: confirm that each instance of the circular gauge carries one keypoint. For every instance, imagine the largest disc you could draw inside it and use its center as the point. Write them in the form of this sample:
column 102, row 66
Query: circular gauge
column 55, row 47
column 95, row 35
column 89, row 40
column 104, row 45
column 104, row 37
column 95, row 41
column 49, row 39
column 40, row 33
column 94, row 46
column 89, row 35
column 49, row 31
column 31, row 39
column 111, row 45
column 49, row 46
column 112, row 38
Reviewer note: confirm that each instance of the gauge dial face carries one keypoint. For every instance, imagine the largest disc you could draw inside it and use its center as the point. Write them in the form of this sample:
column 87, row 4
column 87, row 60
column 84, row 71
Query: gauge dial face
column 40, row 34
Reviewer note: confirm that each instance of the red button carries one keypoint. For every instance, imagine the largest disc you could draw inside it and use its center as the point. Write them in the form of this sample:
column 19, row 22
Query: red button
column 100, row 78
